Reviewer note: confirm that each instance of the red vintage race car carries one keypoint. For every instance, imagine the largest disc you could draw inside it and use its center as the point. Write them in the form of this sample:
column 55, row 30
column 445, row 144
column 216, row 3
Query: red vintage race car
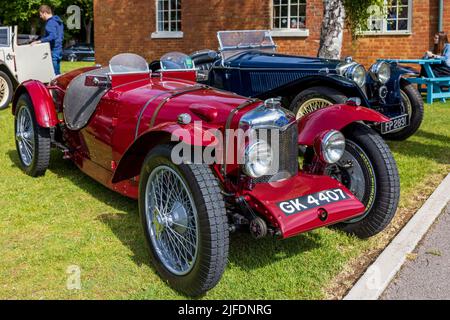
column 146, row 133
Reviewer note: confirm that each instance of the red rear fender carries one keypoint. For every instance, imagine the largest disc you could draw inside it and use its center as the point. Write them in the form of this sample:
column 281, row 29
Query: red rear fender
column 44, row 108
column 334, row 118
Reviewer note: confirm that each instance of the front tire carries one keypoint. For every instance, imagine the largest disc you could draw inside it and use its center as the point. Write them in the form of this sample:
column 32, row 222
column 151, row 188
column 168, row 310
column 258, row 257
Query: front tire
column 316, row 98
column 6, row 90
column 369, row 170
column 184, row 219
column 33, row 142
column 412, row 103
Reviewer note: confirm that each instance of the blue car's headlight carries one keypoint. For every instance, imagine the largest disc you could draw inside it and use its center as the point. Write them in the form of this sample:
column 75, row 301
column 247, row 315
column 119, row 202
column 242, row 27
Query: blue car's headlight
column 357, row 73
column 381, row 72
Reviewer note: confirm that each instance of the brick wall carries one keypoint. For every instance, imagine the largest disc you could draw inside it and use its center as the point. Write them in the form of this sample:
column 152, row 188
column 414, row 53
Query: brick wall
column 127, row 25
column 446, row 22
column 117, row 32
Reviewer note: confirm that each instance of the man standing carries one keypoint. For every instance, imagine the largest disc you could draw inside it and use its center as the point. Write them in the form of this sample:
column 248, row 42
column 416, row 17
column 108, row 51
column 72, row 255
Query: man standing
column 54, row 34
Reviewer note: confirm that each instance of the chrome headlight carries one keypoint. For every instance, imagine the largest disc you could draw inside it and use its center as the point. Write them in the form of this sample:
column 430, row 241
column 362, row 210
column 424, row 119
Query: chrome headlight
column 330, row 147
column 258, row 159
column 381, row 72
column 357, row 73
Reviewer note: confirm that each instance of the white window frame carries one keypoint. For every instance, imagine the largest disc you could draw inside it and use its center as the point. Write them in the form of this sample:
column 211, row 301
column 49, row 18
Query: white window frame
column 287, row 32
column 165, row 34
column 385, row 32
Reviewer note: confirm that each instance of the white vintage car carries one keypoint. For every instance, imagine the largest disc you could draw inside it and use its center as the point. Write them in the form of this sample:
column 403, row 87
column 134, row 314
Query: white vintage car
column 21, row 61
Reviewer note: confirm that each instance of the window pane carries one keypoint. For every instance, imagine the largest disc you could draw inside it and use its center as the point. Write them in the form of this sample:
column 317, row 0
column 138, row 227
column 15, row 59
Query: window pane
column 403, row 12
column 403, row 25
column 4, row 39
column 289, row 14
column 396, row 18
column 391, row 25
column 169, row 15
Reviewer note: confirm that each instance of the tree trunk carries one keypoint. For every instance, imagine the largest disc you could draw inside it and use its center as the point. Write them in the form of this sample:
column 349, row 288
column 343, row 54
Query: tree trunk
column 88, row 29
column 332, row 32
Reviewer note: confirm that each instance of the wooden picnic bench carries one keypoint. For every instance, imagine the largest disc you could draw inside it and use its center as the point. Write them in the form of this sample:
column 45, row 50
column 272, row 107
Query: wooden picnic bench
column 434, row 85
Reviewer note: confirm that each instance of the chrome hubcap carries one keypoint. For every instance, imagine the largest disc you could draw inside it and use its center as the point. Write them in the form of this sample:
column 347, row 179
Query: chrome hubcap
column 4, row 91
column 311, row 106
column 25, row 136
column 172, row 220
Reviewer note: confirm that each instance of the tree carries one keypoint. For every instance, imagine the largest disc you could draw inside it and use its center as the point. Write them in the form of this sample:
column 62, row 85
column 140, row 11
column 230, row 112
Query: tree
column 25, row 13
column 338, row 13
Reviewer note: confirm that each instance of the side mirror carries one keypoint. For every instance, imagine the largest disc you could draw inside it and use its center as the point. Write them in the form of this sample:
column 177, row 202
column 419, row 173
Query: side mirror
column 97, row 81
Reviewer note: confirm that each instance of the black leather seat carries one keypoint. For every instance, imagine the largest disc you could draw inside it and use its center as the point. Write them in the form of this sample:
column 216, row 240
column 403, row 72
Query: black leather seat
column 204, row 59
column 80, row 101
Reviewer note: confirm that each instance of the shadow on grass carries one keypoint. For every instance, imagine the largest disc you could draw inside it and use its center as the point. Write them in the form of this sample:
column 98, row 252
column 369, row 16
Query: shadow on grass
column 440, row 154
column 245, row 252
column 434, row 136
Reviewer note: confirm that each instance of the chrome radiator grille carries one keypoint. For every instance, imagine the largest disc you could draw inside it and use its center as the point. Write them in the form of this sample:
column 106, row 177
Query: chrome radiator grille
column 287, row 154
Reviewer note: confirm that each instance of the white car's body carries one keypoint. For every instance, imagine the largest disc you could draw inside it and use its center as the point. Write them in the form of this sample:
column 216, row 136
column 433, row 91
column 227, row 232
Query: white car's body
column 19, row 63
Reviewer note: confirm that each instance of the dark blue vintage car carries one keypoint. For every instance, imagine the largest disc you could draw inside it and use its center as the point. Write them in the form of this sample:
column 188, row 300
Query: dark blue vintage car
column 247, row 64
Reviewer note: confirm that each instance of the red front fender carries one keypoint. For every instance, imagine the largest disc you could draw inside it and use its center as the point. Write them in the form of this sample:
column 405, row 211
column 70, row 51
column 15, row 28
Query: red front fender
column 334, row 118
column 44, row 109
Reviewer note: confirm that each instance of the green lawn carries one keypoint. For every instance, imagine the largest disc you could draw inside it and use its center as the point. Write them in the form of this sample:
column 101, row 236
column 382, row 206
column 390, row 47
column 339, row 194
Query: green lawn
column 65, row 218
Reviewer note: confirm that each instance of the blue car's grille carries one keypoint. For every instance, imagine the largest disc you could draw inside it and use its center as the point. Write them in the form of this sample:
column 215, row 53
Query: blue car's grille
column 265, row 81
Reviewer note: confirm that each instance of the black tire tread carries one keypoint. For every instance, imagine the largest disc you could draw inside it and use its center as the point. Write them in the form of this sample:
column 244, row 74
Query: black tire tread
column 214, row 234
column 10, row 87
column 388, row 183
column 41, row 159
column 417, row 116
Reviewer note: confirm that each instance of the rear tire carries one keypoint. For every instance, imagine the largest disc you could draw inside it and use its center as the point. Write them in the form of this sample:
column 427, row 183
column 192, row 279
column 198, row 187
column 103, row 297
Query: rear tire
column 413, row 103
column 316, row 98
column 191, row 272
column 6, row 90
column 378, row 171
column 33, row 142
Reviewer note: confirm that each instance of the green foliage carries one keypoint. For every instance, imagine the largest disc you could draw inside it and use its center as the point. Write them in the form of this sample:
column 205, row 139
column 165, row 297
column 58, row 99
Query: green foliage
column 24, row 13
column 358, row 13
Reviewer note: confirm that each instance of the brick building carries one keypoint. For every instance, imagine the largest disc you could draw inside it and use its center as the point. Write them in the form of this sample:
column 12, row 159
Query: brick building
column 154, row 27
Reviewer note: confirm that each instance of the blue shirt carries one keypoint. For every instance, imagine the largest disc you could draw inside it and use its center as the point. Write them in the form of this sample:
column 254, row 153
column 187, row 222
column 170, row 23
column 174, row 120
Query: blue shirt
column 54, row 34
column 445, row 55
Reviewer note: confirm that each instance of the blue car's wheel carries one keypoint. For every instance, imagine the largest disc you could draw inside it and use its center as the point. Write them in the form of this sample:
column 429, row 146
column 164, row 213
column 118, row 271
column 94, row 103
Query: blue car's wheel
column 412, row 103
column 315, row 98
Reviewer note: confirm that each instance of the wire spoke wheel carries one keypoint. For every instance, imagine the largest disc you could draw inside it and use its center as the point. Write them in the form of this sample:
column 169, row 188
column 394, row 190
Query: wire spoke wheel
column 25, row 136
column 312, row 105
column 4, row 91
column 172, row 220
